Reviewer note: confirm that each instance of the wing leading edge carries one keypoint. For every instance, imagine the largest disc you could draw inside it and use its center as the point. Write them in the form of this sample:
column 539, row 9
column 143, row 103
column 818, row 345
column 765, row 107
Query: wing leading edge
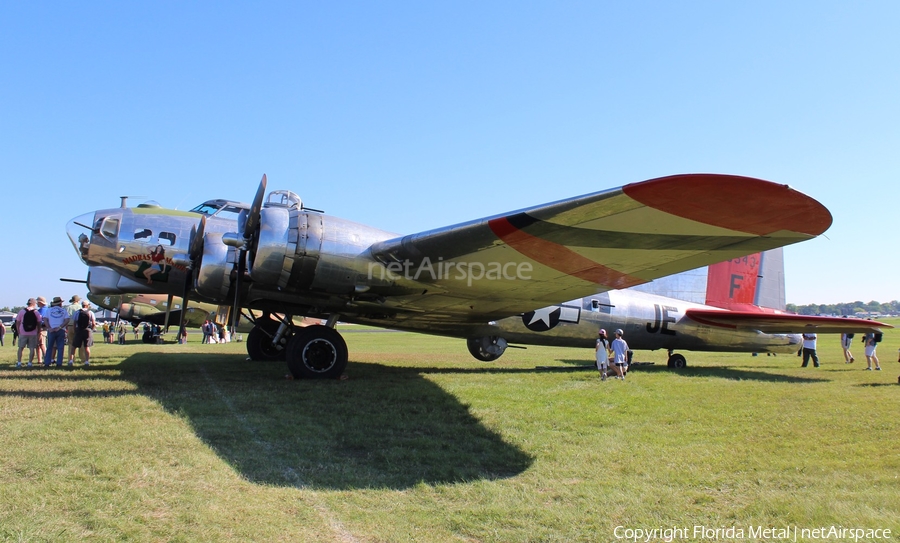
column 602, row 241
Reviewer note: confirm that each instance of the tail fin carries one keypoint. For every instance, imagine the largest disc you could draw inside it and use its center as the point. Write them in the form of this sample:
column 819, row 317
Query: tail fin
column 747, row 283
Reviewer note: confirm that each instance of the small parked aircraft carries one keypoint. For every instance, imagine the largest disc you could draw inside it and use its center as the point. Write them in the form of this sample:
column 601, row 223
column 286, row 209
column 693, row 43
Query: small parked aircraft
column 153, row 308
column 471, row 280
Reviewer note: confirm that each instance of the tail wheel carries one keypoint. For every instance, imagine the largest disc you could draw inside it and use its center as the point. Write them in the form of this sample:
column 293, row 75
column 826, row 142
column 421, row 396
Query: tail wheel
column 677, row 361
column 317, row 352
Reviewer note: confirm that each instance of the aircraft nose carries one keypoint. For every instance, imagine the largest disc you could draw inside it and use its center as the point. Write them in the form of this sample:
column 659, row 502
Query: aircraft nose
column 79, row 231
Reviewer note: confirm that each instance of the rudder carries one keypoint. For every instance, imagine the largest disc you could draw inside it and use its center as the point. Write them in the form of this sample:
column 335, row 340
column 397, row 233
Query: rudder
column 755, row 280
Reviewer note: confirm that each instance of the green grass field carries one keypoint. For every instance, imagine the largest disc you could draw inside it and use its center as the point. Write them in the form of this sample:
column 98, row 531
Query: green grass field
column 423, row 443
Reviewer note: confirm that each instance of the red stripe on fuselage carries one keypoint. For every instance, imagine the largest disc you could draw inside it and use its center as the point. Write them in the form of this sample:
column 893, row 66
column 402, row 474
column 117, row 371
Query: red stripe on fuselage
column 560, row 258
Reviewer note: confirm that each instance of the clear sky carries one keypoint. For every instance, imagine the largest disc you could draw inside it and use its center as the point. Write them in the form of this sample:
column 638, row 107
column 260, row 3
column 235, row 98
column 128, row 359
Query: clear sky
column 414, row 115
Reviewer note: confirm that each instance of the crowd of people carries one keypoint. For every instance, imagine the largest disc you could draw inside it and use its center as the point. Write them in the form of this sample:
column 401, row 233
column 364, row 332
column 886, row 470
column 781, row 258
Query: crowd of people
column 54, row 334
column 46, row 330
column 214, row 333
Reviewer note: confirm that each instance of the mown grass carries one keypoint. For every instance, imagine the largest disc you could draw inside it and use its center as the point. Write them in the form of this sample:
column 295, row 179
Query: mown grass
column 423, row 443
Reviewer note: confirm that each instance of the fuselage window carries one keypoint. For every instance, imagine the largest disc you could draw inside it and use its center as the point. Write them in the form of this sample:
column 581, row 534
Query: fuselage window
column 166, row 238
column 142, row 233
column 109, row 228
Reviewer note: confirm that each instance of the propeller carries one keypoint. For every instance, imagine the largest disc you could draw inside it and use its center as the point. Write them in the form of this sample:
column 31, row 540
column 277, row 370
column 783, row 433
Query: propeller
column 195, row 252
column 248, row 226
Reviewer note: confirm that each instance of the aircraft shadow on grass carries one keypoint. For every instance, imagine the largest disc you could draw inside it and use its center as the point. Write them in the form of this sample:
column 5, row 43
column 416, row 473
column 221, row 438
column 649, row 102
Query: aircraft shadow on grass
column 387, row 427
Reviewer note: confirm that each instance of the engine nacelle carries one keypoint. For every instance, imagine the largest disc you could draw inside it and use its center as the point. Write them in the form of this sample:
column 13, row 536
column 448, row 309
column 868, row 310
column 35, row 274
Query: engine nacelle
column 287, row 252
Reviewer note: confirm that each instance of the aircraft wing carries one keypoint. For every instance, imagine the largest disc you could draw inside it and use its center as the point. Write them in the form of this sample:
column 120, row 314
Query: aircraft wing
column 780, row 323
column 515, row 262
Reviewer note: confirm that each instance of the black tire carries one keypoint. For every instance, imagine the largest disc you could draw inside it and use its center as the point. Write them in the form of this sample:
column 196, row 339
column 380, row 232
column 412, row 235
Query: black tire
column 317, row 352
column 259, row 342
column 474, row 345
column 677, row 361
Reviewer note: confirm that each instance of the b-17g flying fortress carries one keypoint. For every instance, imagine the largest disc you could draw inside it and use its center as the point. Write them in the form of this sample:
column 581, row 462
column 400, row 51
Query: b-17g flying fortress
column 541, row 275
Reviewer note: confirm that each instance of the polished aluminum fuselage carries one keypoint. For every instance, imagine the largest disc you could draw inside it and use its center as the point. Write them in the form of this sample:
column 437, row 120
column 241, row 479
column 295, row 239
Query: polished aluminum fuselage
column 308, row 263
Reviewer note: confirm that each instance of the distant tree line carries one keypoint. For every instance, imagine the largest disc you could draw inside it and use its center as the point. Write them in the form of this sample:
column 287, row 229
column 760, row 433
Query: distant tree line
column 848, row 308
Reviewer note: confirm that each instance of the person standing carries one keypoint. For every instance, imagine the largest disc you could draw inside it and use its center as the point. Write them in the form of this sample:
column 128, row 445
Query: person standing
column 871, row 344
column 42, row 336
column 122, row 331
column 72, row 309
column 28, row 323
column 84, row 329
column 846, row 340
column 56, row 321
column 809, row 350
column 601, row 351
column 620, row 354
column 2, row 332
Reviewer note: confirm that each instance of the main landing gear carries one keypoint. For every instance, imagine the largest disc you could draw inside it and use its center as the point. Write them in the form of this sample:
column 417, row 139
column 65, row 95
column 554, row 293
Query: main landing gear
column 311, row 352
column 676, row 361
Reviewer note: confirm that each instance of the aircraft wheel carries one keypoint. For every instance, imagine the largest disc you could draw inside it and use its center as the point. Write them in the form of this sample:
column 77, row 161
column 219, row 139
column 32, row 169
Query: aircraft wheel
column 486, row 349
column 677, row 361
column 259, row 342
column 317, row 352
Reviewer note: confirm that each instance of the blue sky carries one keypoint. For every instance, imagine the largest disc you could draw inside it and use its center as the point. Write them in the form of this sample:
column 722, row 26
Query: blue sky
column 414, row 115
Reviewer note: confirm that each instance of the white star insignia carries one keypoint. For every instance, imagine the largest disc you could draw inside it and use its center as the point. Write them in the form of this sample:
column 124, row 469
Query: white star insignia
column 543, row 315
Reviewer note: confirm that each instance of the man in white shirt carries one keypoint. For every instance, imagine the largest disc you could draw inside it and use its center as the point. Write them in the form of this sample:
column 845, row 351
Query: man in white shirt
column 809, row 350
column 620, row 354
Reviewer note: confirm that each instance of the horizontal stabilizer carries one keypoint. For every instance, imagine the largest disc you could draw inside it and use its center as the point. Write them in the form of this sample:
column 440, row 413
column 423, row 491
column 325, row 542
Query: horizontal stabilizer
column 783, row 323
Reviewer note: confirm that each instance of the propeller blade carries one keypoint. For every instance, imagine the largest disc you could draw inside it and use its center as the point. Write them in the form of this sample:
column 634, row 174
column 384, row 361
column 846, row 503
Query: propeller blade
column 255, row 209
column 168, row 312
column 196, row 248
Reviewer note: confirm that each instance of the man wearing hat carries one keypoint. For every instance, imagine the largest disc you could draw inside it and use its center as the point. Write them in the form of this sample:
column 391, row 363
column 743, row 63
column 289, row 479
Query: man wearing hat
column 55, row 322
column 28, row 323
column 73, row 308
column 84, row 327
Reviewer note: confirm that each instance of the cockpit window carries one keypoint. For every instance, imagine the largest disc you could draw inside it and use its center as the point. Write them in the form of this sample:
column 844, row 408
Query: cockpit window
column 219, row 208
column 109, row 228
column 229, row 212
column 206, row 209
